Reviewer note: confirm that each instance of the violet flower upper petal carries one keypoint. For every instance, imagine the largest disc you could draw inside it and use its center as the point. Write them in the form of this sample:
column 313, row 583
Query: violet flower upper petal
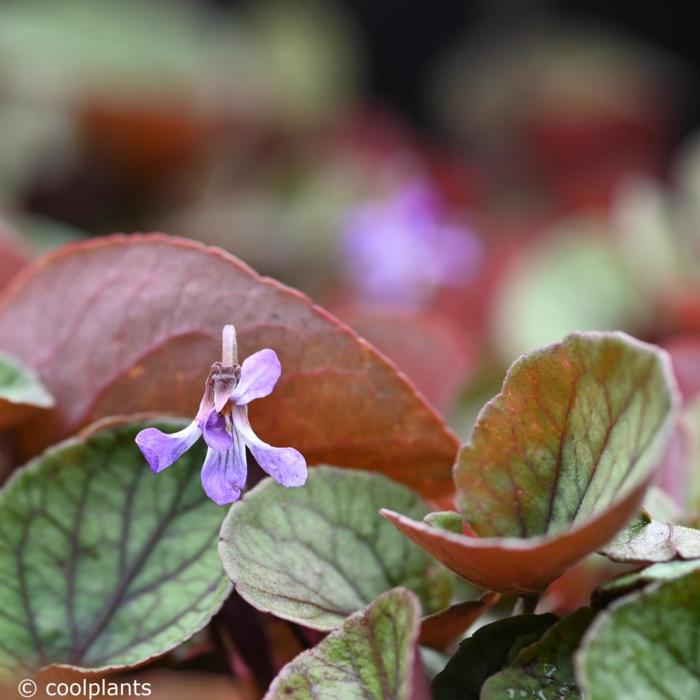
column 259, row 374
column 161, row 450
column 285, row 465
column 215, row 432
column 224, row 473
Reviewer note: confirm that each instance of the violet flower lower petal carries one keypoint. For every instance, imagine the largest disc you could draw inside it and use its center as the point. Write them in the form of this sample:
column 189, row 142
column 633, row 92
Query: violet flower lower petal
column 161, row 449
column 285, row 465
column 214, row 432
column 224, row 473
column 259, row 374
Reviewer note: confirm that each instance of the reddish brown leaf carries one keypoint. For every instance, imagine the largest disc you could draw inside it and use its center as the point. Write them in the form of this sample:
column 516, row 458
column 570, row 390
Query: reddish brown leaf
column 443, row 628
column 131, row 323
column 558, row 462
column 436, row 358
column 517, row 566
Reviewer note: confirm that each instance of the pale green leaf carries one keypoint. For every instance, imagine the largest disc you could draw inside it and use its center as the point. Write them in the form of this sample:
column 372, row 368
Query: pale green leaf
column 370, row 657
column 645, row 646
column 316, row 554
column 648, row 540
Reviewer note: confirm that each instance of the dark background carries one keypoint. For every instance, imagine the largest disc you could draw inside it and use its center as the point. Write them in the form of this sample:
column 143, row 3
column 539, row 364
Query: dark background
column 403, row 38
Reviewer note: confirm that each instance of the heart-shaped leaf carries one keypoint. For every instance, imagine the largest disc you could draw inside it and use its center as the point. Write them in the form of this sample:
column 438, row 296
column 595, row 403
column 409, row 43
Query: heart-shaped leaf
column 543, row 670
column 103, row 564
column 558, row 462
column 123, row 325
column 371, row 656
column 21, row 392
column 647, row 540
column 315, row 555
column 486, row 652
column 645, row 646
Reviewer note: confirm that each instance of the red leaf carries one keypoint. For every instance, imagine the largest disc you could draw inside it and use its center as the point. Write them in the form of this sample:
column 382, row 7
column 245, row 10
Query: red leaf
column 132, row 323
column 440, row 630
column 425, row 346
column 517, row 566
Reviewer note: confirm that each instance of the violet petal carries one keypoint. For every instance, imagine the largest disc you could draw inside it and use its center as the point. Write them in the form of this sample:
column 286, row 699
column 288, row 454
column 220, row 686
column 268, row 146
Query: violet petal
column 285, row 465
column 224, row 473
column 215, row 434
column 259, row 374
column 161, row 449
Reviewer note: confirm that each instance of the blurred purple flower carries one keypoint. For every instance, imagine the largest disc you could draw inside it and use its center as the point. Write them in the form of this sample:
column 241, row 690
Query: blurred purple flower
column 222, row 420
column 401, row 249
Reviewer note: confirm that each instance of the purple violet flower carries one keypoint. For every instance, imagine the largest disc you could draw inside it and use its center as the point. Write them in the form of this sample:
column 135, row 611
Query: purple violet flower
column 401, row 249
column 222, row 420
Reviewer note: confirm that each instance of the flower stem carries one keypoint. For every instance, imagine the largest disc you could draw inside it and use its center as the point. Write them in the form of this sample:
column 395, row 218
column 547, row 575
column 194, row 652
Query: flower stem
column 229, row 346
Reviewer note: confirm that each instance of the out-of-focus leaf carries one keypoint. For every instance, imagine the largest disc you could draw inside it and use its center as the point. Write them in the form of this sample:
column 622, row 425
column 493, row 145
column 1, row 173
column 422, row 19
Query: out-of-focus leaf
column 626, row 583
column 674, row 474
column 574, row 588
column 645, row 646
column 442, row 628
column 129, row 324
column 446, row 520
column 21, row 392
column 104, row 565
column 572, row 279
column 544, row 670
column 13, row 254
column 315, row 555
column 486, row 652
column 647, row 540
column 558, row 461
column 685, row 357
column 371, row 656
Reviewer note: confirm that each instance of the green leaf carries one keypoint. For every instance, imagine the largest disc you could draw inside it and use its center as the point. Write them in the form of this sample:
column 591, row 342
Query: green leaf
column 315, row 555
column 544, row 670
column 577, row 424
column 645, row 646
column 558, row 462
column 648, row 540
column 21, row 392
column 626, row 583
column 486, row 652
column 446, row 520
column 370, row 656
column 103, row 564
column 571, row 280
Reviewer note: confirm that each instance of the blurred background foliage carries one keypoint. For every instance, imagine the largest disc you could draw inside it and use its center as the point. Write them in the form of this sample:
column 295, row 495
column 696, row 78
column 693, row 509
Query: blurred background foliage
column 460, row 185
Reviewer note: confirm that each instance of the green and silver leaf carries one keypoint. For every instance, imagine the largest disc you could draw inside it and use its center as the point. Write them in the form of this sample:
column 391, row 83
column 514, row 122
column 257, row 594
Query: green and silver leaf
column 103, row 564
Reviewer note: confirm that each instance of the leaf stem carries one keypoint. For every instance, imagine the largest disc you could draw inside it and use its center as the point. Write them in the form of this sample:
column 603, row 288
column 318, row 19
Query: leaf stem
column 229, row 346
column 526, row 604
